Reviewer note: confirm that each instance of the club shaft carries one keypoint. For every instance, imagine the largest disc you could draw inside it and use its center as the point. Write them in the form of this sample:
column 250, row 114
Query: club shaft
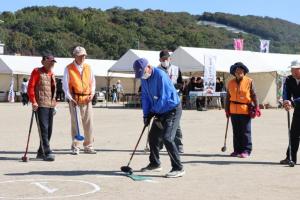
column 136, row 146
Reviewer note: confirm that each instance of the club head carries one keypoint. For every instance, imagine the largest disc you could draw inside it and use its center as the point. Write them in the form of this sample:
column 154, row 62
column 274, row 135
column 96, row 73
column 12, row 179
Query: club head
column 126, row 169
column 79, row 137
column 223, row 149
column 25, row 159
column 291, row 164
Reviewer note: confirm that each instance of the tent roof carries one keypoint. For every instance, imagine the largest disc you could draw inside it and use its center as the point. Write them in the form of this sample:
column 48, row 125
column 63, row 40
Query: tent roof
column 25, row 64
column 191, row 59
column 124, row 64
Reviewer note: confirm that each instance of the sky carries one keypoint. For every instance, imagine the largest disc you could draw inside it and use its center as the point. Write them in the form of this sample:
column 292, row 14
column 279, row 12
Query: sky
column 285, row 9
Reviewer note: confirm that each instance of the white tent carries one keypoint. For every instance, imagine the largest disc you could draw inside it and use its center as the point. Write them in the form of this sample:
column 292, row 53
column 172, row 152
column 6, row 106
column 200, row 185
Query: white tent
column 124, row 64
column 22, row 66
column 264, row 67
column 192, row 59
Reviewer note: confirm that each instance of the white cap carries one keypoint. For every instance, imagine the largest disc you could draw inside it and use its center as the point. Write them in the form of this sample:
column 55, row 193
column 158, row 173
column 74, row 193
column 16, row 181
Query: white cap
column 295, row 64
column 79, row 51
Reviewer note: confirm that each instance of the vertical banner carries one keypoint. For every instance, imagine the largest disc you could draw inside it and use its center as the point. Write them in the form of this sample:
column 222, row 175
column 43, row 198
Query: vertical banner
column 11, row 93
column 264, row 46
column 209, row 74
column 238, row 44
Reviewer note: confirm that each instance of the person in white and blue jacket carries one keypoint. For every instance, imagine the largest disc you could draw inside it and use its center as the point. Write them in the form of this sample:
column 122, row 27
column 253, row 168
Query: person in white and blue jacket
column 160, row 100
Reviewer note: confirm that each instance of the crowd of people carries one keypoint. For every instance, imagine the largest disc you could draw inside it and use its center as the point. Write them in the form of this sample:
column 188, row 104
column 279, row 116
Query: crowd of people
column 160, row 98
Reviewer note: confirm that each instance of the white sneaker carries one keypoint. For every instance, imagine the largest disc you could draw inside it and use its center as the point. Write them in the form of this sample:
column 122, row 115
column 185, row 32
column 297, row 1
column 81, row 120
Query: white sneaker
column 175, row 173
column 75, row 150
column 89, row 150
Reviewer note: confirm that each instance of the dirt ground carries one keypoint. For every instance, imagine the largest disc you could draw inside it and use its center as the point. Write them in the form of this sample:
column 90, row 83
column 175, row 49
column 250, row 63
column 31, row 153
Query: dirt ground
column 210, row 174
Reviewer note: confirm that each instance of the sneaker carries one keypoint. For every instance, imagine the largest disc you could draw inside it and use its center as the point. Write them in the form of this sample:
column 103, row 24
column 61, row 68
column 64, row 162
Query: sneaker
column 89, row 150
column 244, row 155
column 49, row 157
column 175, row 173
column 234, row 154
column 75, row 150
column 286, row 162
column 151, row 168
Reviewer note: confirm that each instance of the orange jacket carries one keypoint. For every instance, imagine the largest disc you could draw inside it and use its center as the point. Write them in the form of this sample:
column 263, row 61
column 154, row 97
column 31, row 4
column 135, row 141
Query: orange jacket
column 80, row 86
column 239, row 95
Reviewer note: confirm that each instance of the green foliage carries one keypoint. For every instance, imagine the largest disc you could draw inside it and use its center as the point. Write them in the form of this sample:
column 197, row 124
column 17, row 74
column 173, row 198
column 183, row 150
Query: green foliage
column 109, row 34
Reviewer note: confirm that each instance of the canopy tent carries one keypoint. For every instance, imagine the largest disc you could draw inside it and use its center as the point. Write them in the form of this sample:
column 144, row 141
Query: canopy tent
column 22, row 66
column 264, row 67
column 124, row 64
column 191, row 59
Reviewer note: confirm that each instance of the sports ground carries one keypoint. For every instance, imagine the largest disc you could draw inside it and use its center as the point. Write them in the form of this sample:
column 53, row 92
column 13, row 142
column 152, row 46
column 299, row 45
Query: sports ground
column 210, row 173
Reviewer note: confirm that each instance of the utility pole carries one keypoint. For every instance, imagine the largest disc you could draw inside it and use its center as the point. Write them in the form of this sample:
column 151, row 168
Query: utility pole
column 1, row 45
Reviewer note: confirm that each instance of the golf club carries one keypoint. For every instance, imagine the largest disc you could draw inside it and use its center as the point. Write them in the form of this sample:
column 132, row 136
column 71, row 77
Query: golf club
column 147, row 149
column 224, row 147
column 25, row 158
column 78, row 136
column 291, row 163
column 127, row 169
column 40, row 133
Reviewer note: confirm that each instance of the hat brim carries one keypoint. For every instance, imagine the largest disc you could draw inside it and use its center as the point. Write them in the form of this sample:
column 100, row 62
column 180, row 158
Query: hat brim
column 295, row 67
column 234, row 67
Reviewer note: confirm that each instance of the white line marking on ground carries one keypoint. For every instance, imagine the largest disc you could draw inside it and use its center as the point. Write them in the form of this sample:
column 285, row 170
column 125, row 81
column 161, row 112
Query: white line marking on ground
column 43, row 186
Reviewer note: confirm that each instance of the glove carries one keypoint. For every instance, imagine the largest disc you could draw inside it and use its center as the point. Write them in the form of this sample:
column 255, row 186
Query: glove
column 255, row 112
column 227, row 113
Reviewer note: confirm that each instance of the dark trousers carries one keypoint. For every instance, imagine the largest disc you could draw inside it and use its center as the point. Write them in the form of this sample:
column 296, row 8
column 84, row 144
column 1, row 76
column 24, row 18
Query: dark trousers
column 46, row 121
column 295, row 134
column 178, row 137
column 241, row 125
column 166, row 133
column 25, row 99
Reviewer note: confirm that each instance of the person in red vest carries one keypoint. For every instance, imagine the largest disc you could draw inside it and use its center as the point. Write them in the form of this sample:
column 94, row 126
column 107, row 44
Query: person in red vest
column 41, row 92
column 241, row 105
column 79, row 87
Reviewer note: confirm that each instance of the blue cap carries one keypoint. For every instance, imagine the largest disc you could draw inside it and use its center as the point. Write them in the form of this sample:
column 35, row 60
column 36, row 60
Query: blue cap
column 139, row 67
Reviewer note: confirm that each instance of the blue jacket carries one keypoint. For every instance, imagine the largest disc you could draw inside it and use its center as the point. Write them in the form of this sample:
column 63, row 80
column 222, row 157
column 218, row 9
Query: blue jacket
column 158, row 93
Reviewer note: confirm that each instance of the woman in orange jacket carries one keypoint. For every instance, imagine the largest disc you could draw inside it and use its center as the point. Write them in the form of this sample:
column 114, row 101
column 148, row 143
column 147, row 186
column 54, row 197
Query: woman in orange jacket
column 241, row 105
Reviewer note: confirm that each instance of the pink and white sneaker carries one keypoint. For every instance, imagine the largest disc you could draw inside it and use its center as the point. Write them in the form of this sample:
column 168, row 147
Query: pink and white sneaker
column 244, row 155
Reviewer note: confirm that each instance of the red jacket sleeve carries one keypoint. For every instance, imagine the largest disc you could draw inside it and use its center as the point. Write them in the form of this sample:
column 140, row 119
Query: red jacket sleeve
column 34, row 79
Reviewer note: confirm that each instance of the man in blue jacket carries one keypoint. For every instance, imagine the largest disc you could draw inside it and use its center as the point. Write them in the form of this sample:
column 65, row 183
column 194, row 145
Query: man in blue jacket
column 160, row 100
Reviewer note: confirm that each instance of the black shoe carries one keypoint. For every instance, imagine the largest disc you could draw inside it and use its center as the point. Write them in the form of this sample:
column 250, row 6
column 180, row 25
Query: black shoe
column 151, row 168
column 49, row 157
column 286, row 162
column 39, row 156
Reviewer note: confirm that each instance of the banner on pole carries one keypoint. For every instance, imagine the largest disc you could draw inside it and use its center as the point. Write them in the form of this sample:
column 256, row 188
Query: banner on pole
column 238, row 44
column 209, row 74
column 264, row 46
column 11, row 93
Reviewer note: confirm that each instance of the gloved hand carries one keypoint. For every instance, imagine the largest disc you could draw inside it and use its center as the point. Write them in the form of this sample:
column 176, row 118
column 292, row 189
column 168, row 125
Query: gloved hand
column 147, row 119
column 255, row 112
column 227, row 113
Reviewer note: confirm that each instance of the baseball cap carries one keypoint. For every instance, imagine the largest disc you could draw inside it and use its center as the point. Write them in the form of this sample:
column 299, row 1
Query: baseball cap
column 295, row 64
column 164, row 54
column 139, row 66
column 79, row 51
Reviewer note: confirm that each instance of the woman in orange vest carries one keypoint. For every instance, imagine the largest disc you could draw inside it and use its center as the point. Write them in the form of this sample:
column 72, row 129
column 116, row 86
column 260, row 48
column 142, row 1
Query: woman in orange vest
column 241, row 105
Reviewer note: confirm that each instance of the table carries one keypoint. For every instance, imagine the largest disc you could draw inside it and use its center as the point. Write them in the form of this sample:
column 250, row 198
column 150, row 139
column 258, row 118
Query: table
column 194, row 94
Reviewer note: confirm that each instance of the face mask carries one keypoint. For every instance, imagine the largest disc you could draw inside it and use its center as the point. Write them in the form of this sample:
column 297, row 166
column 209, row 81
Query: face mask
column 165, row 64
column 146, row 75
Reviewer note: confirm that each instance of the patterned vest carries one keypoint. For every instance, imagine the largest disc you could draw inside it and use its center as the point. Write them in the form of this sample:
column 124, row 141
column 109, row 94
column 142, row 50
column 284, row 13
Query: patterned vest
column 45, row 90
